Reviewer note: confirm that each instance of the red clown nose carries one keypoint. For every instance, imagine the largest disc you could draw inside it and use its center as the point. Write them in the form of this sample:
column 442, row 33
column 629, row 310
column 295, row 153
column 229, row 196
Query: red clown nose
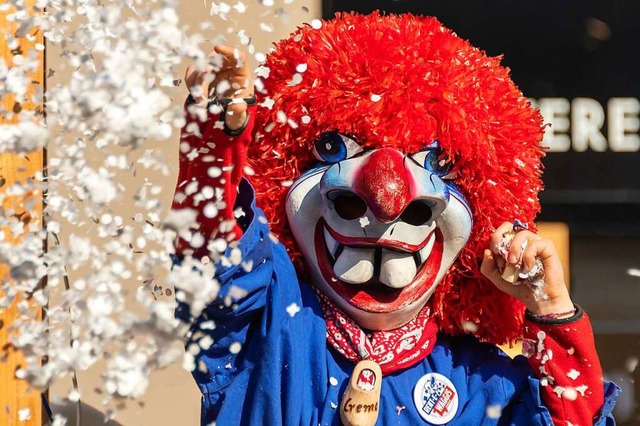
column 385, row 184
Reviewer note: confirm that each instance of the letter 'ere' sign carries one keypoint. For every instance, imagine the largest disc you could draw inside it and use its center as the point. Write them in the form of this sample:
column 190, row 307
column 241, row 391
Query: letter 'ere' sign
column 367, row 201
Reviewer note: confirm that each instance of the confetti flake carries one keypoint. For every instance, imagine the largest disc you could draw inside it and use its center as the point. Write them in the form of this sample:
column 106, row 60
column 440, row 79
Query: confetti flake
column 24, row 414
column 559, row 390
column 570, row 394
column 469, row 326
column 582, row 389
column 117, row 99
column 634, row 272
column 573, row 374
column 235, row 347
column 293, row 309
column 494, row 411
column 631, row 364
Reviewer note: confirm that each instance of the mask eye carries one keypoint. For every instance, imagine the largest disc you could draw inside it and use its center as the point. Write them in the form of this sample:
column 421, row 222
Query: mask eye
column 332, row 147
column 434, row 161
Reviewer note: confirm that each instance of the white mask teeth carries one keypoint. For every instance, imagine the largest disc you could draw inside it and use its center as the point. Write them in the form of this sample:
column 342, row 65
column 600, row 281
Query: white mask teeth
column 397, row 270
column 425, row 251
column 332, row 244
column 355, row 265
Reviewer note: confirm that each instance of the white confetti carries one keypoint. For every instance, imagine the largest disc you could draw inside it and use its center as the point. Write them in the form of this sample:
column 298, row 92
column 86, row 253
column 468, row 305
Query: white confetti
column 293, row 309
column 235, row 347
column 316, row 24
column 116, row 98
column 494, row 411
column 214, row 172
column 24, row 414
column 268, row 103
column 235, row 256
column 631, row 364
column 364, row 221
column 470, row 326
column 573, row 374
column 296, row 79
column 206, row 342
column 634, row 272
column 210, row 210
column 333, row 381
column 219, row 8
column 266, row 27
column 582, row 389
column 570, row 394
column 22, row 137
column 375, row 98
column 541, row 336
column 74, row 395
column 240, row 7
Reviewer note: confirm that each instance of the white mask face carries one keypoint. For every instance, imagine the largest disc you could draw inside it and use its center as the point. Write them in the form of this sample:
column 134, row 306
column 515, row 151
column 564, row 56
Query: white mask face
column 379, row 229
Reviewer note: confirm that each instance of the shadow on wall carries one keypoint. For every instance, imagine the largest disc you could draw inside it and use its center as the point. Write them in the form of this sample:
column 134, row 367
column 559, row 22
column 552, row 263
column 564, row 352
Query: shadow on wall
column 89, row 415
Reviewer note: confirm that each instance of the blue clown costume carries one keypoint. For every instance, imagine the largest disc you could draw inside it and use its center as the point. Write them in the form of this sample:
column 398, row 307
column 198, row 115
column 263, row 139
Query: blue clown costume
column 270, row 361
column 285, row 373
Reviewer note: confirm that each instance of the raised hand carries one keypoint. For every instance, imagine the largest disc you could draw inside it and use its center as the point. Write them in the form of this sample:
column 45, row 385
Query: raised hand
column 227, row 76
column 557, row 300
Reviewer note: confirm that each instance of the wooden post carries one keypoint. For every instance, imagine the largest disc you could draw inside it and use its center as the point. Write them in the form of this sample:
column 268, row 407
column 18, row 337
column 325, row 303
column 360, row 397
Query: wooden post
column 19, row 405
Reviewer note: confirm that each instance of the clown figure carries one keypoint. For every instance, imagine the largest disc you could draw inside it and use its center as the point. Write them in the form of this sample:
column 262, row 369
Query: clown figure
column 366, row 203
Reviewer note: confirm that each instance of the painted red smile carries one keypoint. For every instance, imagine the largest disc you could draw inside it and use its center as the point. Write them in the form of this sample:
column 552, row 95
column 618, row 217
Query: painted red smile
column 374, row 296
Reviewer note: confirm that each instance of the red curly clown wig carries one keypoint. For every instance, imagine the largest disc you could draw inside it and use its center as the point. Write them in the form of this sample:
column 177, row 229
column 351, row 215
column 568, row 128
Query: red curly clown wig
column 403, row 81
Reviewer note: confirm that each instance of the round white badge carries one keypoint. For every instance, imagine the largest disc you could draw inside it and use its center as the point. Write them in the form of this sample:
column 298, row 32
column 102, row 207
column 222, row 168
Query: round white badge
column 436, row 398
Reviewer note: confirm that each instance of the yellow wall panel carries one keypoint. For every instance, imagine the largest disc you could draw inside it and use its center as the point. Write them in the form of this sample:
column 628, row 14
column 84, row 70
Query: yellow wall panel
column 16, row 399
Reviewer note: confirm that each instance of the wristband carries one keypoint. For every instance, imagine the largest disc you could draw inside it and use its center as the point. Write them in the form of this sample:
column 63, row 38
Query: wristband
column 552, row 319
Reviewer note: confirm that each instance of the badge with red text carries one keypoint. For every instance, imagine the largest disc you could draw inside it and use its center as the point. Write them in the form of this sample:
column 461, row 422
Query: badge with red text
column 436, row 398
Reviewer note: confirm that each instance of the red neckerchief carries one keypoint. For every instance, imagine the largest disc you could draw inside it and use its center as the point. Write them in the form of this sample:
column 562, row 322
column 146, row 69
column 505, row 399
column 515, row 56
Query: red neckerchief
column 393, row 350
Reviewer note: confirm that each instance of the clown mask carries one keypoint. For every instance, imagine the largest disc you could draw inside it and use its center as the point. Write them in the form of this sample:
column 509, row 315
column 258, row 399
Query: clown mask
column 379, row 228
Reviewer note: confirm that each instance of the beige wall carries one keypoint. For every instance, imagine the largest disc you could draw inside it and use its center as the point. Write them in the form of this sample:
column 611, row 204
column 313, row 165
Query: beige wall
column 172, row 398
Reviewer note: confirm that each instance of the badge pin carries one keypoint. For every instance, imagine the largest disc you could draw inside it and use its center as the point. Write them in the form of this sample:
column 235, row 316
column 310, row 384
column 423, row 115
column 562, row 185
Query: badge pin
column 436, row 398
column 361, row 400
